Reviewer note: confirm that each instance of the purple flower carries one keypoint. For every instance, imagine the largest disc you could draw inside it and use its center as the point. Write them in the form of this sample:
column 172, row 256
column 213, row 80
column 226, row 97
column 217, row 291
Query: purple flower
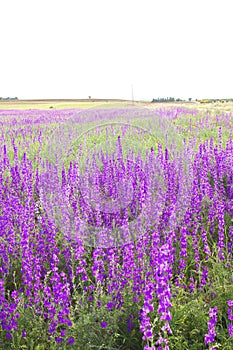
column 70, row 340
column 230, row 330
column 230, row 317
column 63, row 332
column 59, row 340
column 136, row 299
column 103, row 324
column 209, row 337
column 147, row 347
column 147, row 334
column 130, row 324
column 110, row 305
column 14, row 294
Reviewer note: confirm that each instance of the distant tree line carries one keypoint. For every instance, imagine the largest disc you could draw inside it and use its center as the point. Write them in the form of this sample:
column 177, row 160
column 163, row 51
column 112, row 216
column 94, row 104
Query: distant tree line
column 167, row 99
column 172, row 99
column 8, row 98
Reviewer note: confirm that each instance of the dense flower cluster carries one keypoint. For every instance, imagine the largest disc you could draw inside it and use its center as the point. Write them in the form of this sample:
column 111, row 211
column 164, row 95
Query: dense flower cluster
column 210, row 336
column 230, row 317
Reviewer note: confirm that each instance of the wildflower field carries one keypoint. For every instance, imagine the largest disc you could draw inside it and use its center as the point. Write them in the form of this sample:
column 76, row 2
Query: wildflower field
column 116, row 229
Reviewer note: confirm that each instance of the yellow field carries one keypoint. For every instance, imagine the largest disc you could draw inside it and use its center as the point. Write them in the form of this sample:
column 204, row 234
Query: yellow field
column 61, row 104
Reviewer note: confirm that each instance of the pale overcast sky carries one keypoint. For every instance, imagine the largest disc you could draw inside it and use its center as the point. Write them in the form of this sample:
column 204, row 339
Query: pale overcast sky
column 73, row 48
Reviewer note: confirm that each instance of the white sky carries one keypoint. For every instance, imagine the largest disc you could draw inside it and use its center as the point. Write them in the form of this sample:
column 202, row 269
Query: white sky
column 73, row 48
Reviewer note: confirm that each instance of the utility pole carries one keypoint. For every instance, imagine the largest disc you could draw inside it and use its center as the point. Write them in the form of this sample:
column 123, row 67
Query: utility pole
column 132, row 94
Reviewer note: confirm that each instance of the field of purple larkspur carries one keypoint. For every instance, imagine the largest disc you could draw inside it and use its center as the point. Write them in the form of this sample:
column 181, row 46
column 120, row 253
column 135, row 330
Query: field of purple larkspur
column 127, row 245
